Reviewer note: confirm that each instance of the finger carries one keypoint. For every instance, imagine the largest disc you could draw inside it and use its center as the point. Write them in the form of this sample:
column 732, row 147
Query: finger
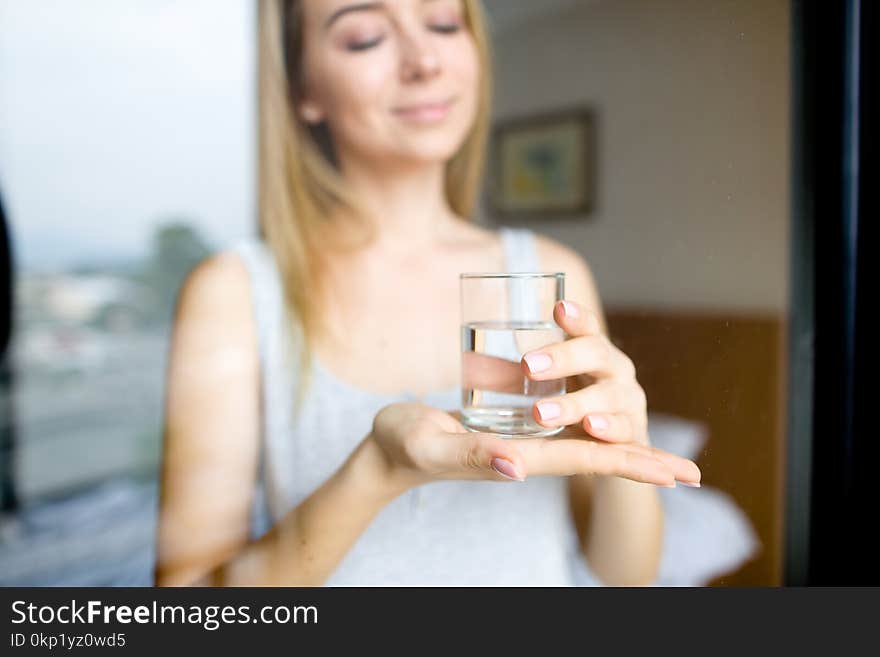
column 496, row 374
column 588, row 354
column 549, row 456
column 611, row 427
column 683, row 469
column 576, row 319
column 603, row 397
column 485, row 372
column 470, row 455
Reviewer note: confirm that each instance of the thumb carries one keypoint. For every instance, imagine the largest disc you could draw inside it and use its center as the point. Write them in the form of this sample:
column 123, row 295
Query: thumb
column 497, row 456
column 507, row 469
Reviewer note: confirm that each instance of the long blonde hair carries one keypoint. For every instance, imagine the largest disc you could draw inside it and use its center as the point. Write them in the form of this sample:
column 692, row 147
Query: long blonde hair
column 300, row 186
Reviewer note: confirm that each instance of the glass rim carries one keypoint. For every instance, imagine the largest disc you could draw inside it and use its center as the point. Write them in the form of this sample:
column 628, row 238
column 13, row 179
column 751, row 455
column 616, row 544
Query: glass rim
column 516, row 274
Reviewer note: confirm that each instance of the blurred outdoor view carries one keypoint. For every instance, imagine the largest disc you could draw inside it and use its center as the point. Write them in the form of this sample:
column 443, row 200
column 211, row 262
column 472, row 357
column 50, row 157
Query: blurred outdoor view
column 125, row 158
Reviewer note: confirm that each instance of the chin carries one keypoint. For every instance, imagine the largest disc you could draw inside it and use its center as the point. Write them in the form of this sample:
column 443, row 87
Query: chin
column 429, row 148
column 427, row 155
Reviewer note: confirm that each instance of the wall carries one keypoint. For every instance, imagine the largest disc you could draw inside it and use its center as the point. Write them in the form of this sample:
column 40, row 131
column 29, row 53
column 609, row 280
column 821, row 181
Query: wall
column 692, row 101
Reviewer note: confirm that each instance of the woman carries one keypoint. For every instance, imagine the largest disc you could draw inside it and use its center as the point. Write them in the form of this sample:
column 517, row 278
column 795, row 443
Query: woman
column 373, row 124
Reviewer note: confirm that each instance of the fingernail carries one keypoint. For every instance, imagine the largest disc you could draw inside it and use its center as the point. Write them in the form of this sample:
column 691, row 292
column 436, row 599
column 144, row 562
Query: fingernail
column 570, row 310
column 506, row 469
column 598, row 423
column 538, row 362
column 672, row 485
column 686, row 483
column 549, row 410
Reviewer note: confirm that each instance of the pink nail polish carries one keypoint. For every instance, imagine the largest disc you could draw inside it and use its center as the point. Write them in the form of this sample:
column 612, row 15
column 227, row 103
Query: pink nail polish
column 685, row 483
column 538, row 362
column 570, row 310
column 549, row 410
column 506, row 469
column 598, row 423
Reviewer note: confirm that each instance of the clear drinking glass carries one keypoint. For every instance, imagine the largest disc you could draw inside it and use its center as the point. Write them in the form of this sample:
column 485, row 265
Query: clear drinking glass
column 504, row 316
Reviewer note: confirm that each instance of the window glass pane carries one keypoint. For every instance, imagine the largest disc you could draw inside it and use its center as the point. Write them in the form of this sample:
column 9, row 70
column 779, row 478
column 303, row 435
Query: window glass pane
column 126, row 156
column 651, row 139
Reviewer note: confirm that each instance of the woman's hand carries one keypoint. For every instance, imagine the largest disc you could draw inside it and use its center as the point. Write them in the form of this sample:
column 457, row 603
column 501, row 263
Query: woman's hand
column 419, row 444
column 612, row 406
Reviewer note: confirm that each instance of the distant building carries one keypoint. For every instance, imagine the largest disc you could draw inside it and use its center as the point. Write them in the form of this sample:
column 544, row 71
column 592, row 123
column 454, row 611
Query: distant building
column 105, row 301
column 79, row 299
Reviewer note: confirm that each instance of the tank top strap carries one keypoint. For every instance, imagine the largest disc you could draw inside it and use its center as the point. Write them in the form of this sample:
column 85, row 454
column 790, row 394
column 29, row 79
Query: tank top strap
column 265, row 289
column 520, row 249
column 266, row 296
column 522, row 256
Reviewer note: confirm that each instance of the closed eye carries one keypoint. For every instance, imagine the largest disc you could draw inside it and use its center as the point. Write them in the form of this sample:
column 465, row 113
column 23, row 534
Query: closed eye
column 446, row 29
column 365, row 45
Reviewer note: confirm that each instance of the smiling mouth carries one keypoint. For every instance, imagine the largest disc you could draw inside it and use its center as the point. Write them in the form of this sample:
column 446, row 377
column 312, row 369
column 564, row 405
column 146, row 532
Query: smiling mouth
column 425, row 113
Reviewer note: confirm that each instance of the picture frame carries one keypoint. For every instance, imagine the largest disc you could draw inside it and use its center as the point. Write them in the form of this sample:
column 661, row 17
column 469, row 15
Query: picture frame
column 543, row 165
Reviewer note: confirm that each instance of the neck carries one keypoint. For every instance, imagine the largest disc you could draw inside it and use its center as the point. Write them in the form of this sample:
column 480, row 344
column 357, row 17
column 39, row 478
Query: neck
column 407, row 203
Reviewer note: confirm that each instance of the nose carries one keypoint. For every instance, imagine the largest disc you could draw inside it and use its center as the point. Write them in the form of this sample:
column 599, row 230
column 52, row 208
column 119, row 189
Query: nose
column 419, row 61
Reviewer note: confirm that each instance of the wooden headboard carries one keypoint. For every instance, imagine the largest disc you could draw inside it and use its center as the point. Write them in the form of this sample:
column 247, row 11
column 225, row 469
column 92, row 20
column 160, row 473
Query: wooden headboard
column 726, row 370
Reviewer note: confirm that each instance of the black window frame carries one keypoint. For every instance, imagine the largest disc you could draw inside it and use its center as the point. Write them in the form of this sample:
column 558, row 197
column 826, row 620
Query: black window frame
column 831, row 497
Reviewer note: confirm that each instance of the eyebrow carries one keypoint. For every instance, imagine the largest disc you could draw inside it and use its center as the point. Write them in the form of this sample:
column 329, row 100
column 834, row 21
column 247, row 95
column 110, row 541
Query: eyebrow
column 360, row 6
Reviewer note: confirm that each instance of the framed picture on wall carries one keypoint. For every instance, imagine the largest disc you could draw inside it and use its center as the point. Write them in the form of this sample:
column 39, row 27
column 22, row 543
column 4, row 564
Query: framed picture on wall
column 543, row 165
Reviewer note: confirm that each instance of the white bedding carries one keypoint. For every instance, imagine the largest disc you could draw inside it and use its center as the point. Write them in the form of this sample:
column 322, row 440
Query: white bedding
column 706, row 534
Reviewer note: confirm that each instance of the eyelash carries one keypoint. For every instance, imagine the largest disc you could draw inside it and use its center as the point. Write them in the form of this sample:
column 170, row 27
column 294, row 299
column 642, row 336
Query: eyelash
column 366, row 45
column 446, row 29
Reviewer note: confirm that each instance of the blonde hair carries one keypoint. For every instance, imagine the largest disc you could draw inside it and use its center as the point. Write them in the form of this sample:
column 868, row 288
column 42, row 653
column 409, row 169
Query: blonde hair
column 299, row 185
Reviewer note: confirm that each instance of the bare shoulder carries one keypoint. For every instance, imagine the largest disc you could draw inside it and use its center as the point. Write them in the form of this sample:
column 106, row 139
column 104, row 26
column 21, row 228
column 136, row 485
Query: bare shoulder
column 580, row 284
column 214, row 331
column 556, row 254
column 219, row 283
column 214, row 347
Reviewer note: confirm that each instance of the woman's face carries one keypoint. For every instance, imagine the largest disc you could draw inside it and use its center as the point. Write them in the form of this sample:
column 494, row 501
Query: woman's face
column 396, row 80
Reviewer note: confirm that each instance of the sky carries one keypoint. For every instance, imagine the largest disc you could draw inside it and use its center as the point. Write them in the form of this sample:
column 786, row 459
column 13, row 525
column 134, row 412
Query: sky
column 117, row 115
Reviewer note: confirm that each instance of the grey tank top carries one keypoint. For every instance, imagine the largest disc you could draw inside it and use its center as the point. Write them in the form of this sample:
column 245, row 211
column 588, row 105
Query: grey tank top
column 447, row 533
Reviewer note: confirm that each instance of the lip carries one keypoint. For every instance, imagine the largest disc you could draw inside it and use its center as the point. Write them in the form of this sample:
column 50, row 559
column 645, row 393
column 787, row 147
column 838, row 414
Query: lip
column 429, row 112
